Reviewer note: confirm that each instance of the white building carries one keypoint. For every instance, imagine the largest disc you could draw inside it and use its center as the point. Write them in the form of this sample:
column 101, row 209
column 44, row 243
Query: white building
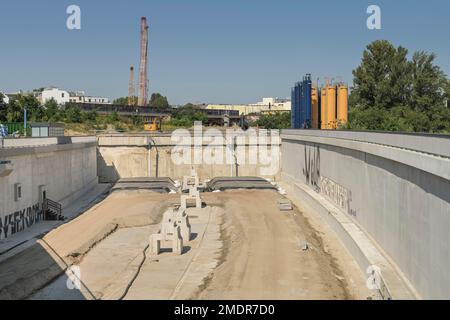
column 80, row 97
column 267, row 105
column 60, row 96
column 5, row 98
column 276, row 104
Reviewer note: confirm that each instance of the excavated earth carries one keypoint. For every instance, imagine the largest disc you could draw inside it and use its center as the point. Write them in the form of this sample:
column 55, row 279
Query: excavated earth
column 242, row 247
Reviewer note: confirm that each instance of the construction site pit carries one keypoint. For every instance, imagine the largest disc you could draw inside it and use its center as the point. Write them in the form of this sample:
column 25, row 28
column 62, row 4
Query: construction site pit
column 248, row 241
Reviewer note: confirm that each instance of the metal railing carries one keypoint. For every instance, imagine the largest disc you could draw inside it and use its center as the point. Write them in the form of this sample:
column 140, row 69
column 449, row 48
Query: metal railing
column 52, row 210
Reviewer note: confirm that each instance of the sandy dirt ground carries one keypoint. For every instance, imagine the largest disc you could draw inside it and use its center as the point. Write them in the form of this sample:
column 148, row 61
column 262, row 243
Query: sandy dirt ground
column 119, row 210
column 264, row 256
column 243, row 247
column 40, row 264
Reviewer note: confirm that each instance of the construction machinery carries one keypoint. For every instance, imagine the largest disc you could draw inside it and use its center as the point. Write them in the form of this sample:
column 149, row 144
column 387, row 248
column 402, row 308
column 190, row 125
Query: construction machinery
column 153, row 126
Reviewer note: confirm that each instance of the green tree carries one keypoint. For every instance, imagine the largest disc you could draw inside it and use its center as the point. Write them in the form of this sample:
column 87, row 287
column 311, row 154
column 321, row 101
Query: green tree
column 14, row 112
column 279, row 120
column 35, row 112
column 121, row 101
column 90, row 116
column 72, row 113
column 3, row 108
column 186, row 115
column 51, row 110
column 447, row 92
column 392, row 93
column 428, row 82
column 112, row 117
column 158, row 101
column 15, row 109
column 383, row 78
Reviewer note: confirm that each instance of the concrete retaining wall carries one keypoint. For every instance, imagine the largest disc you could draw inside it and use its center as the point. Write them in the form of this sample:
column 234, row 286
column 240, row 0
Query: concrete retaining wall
column 67, row 170
column 395, row 187
column 121, row 156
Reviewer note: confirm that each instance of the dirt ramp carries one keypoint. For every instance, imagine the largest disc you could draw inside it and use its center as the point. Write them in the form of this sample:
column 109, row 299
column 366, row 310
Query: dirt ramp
column 35, row 267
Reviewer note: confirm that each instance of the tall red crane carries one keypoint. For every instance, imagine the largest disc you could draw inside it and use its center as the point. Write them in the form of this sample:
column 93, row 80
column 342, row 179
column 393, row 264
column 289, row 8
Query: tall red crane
column 143, row 65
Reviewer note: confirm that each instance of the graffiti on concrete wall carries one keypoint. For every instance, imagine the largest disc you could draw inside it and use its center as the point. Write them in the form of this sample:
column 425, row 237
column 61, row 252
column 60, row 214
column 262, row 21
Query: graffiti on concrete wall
column 20, row 220
column 340, row 195
column 311, row 171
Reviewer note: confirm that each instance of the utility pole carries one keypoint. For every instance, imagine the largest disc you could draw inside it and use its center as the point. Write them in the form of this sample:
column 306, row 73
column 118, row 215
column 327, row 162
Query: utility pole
column 25, row 121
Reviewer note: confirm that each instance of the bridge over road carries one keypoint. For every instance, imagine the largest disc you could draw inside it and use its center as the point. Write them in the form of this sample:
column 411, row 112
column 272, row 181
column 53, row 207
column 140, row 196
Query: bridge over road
column 217, row 117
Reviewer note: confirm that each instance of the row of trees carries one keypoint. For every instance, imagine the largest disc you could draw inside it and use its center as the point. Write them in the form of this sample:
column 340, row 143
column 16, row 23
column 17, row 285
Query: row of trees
column 392, row 92
column 72, row 114
column 50, row 111
column 279, row 120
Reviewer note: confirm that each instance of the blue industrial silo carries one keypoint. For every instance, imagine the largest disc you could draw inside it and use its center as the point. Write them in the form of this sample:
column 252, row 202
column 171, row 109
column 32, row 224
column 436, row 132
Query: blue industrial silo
column 301, row 103
column 306, row 102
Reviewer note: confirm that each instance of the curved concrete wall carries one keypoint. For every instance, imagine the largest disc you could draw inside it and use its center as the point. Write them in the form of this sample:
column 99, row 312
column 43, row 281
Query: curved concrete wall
column 395, row 187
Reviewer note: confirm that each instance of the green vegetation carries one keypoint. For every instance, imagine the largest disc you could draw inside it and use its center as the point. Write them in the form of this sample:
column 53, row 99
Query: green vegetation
column 76, row 120
column 396, row 94
column 123, row 101
column 158, row 101
column 279, row 120
column 185, row 116
column 3, row 108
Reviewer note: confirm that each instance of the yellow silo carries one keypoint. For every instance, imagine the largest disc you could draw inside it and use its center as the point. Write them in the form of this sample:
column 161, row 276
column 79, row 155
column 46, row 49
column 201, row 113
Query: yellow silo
column 342, row 105
column 331, row 107
column 314, row 107
column 323, row 108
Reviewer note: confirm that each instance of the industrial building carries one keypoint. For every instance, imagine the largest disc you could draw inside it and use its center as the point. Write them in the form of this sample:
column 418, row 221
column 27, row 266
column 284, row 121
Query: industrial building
column 319, row 108
column 266, row 105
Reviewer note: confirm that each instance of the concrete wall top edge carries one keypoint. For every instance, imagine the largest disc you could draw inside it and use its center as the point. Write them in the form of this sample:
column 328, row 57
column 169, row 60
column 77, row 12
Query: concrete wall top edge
column 37, row 142
column 20, row 151
column 427, row 143
column 165, row 140
column 436, row 165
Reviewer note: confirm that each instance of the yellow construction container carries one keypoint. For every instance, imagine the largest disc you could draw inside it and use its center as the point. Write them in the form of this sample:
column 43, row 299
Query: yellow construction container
column 323, row 109
column 342, row 105
column 331, row 107
column 314, row 107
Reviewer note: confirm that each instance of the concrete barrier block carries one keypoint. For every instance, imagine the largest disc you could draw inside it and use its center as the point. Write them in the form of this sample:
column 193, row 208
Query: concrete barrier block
column 155, row 244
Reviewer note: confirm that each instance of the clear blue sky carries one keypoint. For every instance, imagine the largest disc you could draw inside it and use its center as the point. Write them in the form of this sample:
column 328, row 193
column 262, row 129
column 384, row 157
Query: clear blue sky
column 215, row 51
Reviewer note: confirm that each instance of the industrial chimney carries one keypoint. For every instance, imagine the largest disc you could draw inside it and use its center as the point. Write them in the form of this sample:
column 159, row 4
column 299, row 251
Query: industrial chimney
column 131, row 88
column 143, row 66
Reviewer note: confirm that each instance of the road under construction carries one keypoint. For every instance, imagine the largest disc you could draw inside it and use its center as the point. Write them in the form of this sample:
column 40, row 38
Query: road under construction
column 308, row 214
column 341, row 215
column 242, row 246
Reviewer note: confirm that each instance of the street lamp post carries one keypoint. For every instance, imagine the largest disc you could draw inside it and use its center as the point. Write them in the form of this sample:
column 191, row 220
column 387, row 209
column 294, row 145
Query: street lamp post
column 25, row 121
